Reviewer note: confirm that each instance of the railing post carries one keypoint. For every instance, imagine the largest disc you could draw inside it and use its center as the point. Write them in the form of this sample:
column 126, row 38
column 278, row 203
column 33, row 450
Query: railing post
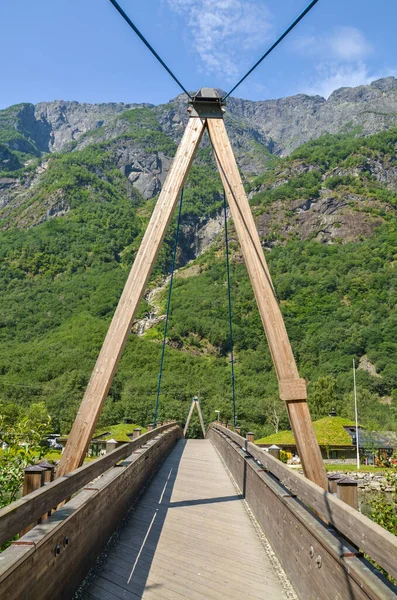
column 229, row 426
column 48, row 477
column 275, row 451
column 49, row 470
column 33, row 480
column 111, row 445
column 250, row 437
column 332, row 483
column 150, row 426
column 347, row 491
column 238, row 430
column 136, row 433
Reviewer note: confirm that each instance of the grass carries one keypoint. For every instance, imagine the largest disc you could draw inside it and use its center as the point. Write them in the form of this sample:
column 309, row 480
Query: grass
column 363, row 468
column 329, row 432
column 118, row 432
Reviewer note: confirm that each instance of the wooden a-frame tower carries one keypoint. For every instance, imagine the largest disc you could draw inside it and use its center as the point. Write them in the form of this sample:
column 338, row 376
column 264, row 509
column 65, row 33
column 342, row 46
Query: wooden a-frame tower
column 206, row 112
column 195, row 404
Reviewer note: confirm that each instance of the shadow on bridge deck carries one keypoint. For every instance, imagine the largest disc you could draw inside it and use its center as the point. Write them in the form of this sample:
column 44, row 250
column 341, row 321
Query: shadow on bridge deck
column 188, row 537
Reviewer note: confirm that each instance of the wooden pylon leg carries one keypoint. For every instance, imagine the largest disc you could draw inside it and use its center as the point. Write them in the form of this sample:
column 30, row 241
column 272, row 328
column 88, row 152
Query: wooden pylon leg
column 200, row 417
column 108, row 359
column 292, row 388
column 188, row 418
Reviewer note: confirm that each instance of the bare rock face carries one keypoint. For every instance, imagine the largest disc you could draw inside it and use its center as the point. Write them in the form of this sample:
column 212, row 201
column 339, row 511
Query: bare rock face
column 198, row 235
column 7, row 186
column 146, row 171
column 68, row 121
column 292, row 121
column 279, row 126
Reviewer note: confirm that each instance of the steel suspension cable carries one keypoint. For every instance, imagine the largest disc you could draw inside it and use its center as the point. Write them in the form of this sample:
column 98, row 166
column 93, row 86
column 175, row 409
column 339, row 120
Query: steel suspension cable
column 156, row 410
column 148, row 45
column 229, row 297
column 273, row 46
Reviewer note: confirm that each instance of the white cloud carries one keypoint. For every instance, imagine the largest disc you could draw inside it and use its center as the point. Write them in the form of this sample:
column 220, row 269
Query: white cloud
column 348, row 43
column 332, row 76
column 342, row 43
column 339, row 60
column 223, row 31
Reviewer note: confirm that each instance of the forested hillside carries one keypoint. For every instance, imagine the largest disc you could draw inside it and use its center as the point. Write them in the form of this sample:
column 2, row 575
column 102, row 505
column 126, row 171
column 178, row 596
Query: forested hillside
column 72, row 221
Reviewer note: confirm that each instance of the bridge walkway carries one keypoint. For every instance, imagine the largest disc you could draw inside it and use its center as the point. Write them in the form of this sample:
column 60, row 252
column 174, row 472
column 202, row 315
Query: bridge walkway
column 189, row 537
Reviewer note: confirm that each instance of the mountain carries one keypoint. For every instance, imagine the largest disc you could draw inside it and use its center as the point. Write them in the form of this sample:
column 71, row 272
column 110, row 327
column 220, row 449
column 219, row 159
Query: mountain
column 77, row 187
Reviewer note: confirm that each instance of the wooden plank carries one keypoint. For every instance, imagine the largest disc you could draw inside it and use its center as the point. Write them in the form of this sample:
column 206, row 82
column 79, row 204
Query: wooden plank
column 21, row 513
column 222, row 558
column 379, row 544
column 120, row 327
column 271, row 316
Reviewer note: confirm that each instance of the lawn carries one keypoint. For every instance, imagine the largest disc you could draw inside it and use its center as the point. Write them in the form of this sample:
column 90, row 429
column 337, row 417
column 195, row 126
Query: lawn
column 363, row 468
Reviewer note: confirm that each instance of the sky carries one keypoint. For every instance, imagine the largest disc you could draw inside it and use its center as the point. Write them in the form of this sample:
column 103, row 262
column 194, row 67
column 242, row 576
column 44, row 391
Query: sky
column 83, row 50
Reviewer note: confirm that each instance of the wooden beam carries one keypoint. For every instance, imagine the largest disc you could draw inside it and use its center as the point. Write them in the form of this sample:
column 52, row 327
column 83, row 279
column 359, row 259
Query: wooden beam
column 188, row 418
column 120, row 327
column 200, row 417
column 271, row 316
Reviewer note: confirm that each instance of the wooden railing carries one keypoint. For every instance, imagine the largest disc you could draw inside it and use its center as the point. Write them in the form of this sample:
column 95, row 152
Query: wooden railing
column 319, row 539
column 51, row 560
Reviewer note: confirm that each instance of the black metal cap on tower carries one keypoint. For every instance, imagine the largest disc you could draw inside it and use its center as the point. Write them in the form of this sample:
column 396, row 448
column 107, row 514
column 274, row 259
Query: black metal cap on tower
column 206, row 103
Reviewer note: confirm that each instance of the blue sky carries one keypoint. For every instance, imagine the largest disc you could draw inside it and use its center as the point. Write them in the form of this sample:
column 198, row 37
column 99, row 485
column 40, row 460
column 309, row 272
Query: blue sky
column 82, row 49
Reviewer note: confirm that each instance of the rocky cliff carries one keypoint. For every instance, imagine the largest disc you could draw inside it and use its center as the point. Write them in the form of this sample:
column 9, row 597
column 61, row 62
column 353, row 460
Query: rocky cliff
column 140, row 140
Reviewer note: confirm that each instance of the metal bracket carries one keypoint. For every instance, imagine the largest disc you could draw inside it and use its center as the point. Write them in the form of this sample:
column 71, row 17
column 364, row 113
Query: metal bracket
column 207, row 104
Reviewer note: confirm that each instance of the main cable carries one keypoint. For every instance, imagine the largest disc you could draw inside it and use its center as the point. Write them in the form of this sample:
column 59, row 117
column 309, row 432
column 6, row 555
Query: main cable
column 230, row 310
column 149, row 46
column 156, row 409
column 273, row 46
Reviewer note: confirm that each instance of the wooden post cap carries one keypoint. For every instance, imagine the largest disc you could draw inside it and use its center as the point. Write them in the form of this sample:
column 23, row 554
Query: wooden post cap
column 150, row 426
column 250, row 437
column 136, row 433
column 33, row 469
column 347, row 481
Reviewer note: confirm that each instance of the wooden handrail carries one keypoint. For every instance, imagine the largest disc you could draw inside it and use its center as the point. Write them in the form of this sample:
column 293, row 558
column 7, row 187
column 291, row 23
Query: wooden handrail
column 52, row 559
column 374, row 540
column 19, row 514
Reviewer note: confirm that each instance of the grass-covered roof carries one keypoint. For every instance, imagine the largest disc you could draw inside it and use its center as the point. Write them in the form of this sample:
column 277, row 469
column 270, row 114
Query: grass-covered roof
column 117, row 432
column 329, row 432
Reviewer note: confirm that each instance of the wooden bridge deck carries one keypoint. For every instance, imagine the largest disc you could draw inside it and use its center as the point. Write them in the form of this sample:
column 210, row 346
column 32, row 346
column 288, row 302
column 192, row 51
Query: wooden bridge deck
column 189, row 537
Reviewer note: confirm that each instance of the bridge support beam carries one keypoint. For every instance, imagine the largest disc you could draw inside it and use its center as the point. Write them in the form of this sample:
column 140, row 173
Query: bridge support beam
column 292, row 388
column 120, row 327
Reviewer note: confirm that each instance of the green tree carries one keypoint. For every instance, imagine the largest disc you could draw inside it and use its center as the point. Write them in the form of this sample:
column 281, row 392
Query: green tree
column 322, row 397
column 21, row 446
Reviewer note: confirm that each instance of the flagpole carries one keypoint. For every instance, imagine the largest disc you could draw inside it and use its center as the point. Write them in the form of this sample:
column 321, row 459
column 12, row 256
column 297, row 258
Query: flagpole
column 355, row 410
